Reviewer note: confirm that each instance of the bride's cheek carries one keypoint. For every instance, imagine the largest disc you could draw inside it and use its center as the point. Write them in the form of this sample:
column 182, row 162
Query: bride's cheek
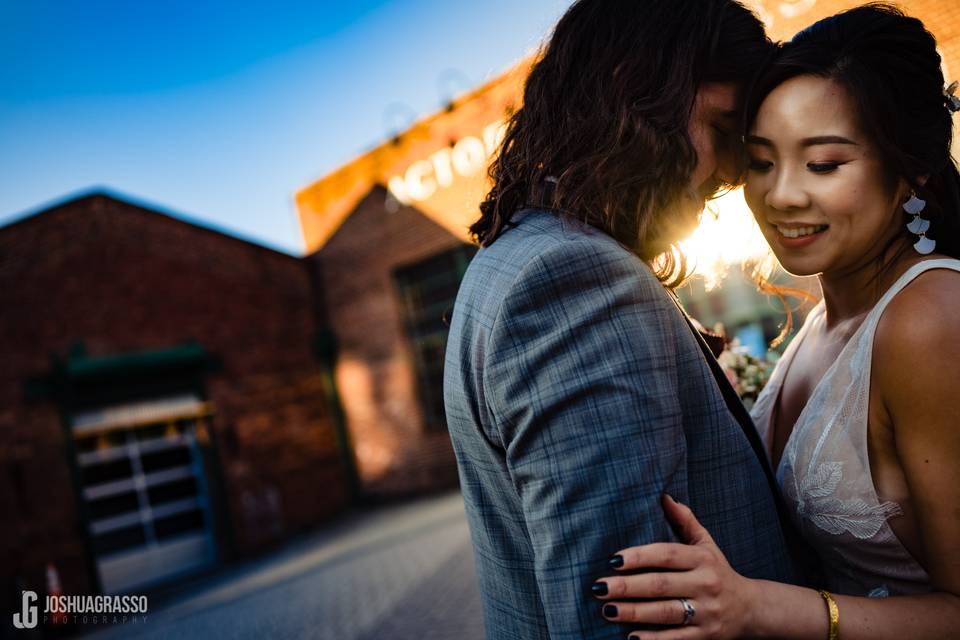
column 753, row 195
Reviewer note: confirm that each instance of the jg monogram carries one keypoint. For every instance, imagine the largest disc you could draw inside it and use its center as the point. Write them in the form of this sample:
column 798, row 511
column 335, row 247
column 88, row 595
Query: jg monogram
column 27, row 619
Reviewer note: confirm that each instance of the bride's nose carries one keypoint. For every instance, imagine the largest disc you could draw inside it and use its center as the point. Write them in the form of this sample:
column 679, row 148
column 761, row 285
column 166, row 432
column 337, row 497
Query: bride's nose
column 786, row 192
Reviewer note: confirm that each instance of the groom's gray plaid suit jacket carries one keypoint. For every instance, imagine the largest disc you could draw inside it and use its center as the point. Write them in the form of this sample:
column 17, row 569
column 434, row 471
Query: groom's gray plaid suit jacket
column 576, row 395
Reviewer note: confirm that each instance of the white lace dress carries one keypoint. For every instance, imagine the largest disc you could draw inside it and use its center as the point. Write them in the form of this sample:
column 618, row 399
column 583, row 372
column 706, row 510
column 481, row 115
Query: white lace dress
column 824, row 474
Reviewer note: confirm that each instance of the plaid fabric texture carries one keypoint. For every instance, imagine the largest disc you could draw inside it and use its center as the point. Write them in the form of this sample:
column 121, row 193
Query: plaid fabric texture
column 575, row 396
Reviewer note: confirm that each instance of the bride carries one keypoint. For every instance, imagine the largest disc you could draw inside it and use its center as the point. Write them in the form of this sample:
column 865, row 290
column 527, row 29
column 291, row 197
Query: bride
column 850, row 179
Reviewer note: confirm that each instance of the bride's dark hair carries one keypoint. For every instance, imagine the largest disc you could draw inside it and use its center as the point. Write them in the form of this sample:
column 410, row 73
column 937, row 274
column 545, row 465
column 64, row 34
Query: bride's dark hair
column 889, row 65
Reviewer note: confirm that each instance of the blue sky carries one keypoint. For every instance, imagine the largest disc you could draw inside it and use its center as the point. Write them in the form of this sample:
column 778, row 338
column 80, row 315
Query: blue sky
column 221, row 111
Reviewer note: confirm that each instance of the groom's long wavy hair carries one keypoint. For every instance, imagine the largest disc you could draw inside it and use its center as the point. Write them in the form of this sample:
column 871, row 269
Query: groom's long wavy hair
column 603, row 130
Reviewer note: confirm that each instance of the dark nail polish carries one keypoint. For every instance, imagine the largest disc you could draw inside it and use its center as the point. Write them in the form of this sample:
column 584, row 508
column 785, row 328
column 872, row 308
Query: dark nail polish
column 610, row 611
column 616, row 561
column 599, row 588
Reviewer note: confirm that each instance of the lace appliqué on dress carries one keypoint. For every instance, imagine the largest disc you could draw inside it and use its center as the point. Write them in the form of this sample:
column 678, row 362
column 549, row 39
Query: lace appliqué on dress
column 883, row 591
column 855, row 516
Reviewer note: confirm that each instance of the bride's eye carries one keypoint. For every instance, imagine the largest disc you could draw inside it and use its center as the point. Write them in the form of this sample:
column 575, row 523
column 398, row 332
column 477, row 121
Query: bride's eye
column 759, row 165
column 823, row 167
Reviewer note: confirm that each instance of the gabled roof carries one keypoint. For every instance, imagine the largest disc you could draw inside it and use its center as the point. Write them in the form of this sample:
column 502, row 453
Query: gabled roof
column 324, row 205
column 102, row 195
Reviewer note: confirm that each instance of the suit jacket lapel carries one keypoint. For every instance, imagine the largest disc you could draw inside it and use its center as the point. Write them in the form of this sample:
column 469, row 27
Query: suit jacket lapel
column 807, row 565
column 733, row 402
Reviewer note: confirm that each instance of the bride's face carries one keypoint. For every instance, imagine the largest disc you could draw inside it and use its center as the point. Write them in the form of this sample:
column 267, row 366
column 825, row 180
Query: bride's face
column 815, row 182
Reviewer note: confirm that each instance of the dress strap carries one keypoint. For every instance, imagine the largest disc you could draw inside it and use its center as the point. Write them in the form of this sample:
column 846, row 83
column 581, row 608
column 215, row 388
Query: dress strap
column 909, row 276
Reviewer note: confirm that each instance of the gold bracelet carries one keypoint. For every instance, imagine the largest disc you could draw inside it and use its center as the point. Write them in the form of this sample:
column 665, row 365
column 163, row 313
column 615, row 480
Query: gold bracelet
column 833, row 612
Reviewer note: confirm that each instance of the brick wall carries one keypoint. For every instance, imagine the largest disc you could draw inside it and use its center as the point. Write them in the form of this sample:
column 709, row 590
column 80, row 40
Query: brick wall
column 375, row 371
column 941, row 17
column 124, row 279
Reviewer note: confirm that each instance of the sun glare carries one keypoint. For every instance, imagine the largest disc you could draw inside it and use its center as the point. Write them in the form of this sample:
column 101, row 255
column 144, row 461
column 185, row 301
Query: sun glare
column 727, row 235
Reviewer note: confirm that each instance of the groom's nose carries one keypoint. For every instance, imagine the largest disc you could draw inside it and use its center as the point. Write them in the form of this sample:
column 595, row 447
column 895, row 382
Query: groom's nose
column 729, row 167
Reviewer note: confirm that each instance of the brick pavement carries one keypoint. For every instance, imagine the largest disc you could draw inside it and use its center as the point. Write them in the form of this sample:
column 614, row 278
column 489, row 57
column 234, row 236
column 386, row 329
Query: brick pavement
column 444, row 606
column 404, row 571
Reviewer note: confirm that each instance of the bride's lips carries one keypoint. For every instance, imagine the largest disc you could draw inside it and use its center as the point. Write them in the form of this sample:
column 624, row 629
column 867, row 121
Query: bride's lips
column 800, row 235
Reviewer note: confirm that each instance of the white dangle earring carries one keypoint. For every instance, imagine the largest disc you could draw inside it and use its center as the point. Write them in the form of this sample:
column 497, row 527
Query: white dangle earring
column 918, row 225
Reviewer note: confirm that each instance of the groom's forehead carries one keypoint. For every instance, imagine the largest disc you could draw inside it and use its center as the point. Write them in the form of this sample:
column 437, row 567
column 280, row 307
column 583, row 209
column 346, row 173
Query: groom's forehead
column 719, row 101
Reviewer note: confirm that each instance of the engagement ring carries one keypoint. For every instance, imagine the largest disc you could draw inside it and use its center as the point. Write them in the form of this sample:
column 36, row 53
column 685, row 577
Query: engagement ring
column 688, row 611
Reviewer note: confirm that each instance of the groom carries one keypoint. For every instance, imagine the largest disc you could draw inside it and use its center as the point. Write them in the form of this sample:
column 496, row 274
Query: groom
column 576, row 391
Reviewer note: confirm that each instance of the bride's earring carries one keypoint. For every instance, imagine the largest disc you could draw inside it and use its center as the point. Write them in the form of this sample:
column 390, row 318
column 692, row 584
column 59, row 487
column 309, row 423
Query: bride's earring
column 918, row 225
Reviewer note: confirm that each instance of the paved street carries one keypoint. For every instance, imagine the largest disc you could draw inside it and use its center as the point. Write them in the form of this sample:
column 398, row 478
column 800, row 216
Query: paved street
column 403, row 571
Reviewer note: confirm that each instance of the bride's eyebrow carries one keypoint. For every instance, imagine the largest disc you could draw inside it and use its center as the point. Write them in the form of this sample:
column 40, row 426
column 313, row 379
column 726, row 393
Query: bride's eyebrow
column 809, row 142
column 806, row 142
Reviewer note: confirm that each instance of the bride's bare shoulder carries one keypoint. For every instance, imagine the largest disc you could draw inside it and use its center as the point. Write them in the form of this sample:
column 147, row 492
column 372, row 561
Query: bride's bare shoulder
column 929, row 306
column 917, row 343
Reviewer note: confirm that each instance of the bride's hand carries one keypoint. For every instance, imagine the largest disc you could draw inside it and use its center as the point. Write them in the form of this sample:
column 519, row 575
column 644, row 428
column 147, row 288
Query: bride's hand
column 697, row 572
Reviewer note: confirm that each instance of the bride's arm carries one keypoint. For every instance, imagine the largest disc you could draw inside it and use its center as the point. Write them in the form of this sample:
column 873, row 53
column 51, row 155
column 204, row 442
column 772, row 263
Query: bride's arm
column 729, row 605
column 916, row 364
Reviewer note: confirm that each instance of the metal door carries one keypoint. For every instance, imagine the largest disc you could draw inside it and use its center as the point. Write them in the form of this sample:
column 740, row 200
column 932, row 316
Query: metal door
column 145, row 490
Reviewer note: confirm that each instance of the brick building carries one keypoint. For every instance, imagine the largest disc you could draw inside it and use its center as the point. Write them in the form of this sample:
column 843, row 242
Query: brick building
column 162, row 404
column 388, row 277
column 392, row 260
column 389, row 229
